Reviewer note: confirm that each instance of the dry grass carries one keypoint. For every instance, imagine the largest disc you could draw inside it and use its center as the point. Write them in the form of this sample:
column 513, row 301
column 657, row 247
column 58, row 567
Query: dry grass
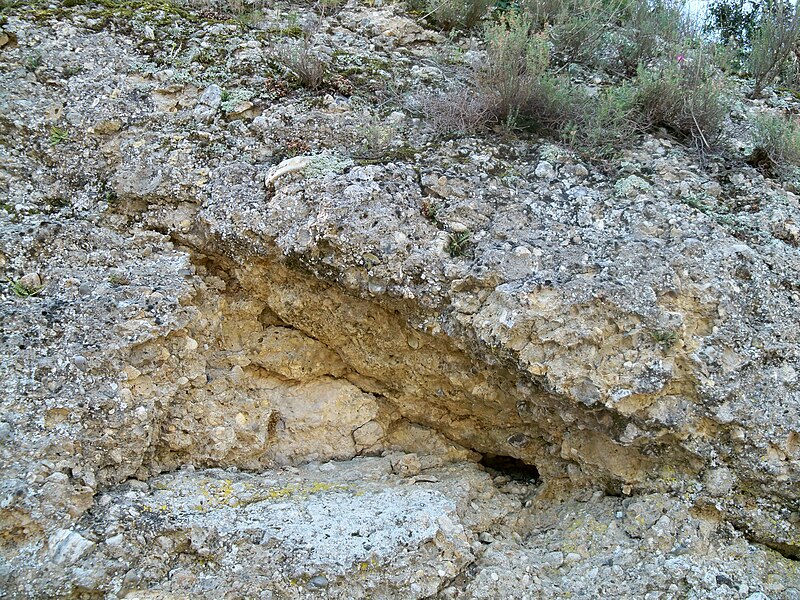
column 307, row 65
column 458, row 111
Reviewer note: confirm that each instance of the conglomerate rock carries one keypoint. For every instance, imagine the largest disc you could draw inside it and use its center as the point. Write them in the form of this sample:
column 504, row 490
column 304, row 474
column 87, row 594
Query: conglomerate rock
column 202, row 343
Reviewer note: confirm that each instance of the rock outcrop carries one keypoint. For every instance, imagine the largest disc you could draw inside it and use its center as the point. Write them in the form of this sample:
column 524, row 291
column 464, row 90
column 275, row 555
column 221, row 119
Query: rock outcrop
column 409, row 368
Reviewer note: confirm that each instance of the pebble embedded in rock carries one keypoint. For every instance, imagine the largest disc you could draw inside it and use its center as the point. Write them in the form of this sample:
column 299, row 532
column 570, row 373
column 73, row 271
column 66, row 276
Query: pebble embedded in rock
column 719, row 481
column 544, row 170
column 68, row 547
column 30, row 281
column 318, row 582
column 580, row 171
column 407, row 465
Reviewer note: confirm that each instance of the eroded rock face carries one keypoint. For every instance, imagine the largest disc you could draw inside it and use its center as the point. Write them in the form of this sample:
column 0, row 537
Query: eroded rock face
column 174, row 321
column 283, row 533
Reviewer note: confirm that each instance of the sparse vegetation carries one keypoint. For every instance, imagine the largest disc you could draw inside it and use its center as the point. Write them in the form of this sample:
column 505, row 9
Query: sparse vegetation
column 118, row 279
column 430, row 210
column 578, row 32
column 457, row 14
column 226, row 7
column 232, row 99
column 515, row 62
column 652, row 29
column 684, row 95
column 776, row 144
column 664, row 337
column 304, row 62
column 376, row 141
column 658, row 86
column 607, row 123
column 33, row 62
column 58, row 135
column 592, row 74
column 459, row 243
column 327, row 7
column 297, row 147
column 21, row 290
column 773, row 42
column 457, row 111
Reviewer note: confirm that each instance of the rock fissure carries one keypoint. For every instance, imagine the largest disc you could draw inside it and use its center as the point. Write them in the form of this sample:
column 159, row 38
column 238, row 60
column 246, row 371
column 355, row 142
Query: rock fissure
column 358, row 343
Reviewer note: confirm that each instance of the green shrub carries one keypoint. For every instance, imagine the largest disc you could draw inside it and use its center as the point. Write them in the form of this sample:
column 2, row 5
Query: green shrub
column 578, row 29
column 593, row 124
column 650, row 30
column 457, row 14
column 776, row 144
column 512, row 87
column 225, row 7
column 735, row 21
column 790, row 73
column 554, row 104
column 607, row 123
column 684, row 95
column 458, row 243
column 592, row 31
column 772, row 44
column 543, row 13
column 579, row 34
column 515, row 60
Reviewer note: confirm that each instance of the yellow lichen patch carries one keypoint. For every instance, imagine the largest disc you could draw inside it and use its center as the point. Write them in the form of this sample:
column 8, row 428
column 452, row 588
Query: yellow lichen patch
column 215, row 494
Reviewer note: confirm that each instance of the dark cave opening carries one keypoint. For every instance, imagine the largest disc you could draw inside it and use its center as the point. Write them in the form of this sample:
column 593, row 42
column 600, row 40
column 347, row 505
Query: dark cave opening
column 513, row 467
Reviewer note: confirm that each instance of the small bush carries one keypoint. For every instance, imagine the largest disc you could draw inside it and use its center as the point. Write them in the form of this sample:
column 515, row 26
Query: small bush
column 681, row 93
column 58, row 135
column 607, row 123
column 555, row 104
column 579, row 33
column 544, row 13
column 304, row 63
column 515, row 61
column 776, row 144
column 578, row 29
column 650, row 30
column 458, row 243
column 375, row 141
column 772, row 44
column 457, row 14
column 686, row 97
column 225, row 7
column 327, row 7
column 592, row 31
column 594, row 125
column 459, row 111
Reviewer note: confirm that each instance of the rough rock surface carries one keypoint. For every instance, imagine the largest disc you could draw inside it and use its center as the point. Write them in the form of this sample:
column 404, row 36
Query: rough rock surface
column 198, row 364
